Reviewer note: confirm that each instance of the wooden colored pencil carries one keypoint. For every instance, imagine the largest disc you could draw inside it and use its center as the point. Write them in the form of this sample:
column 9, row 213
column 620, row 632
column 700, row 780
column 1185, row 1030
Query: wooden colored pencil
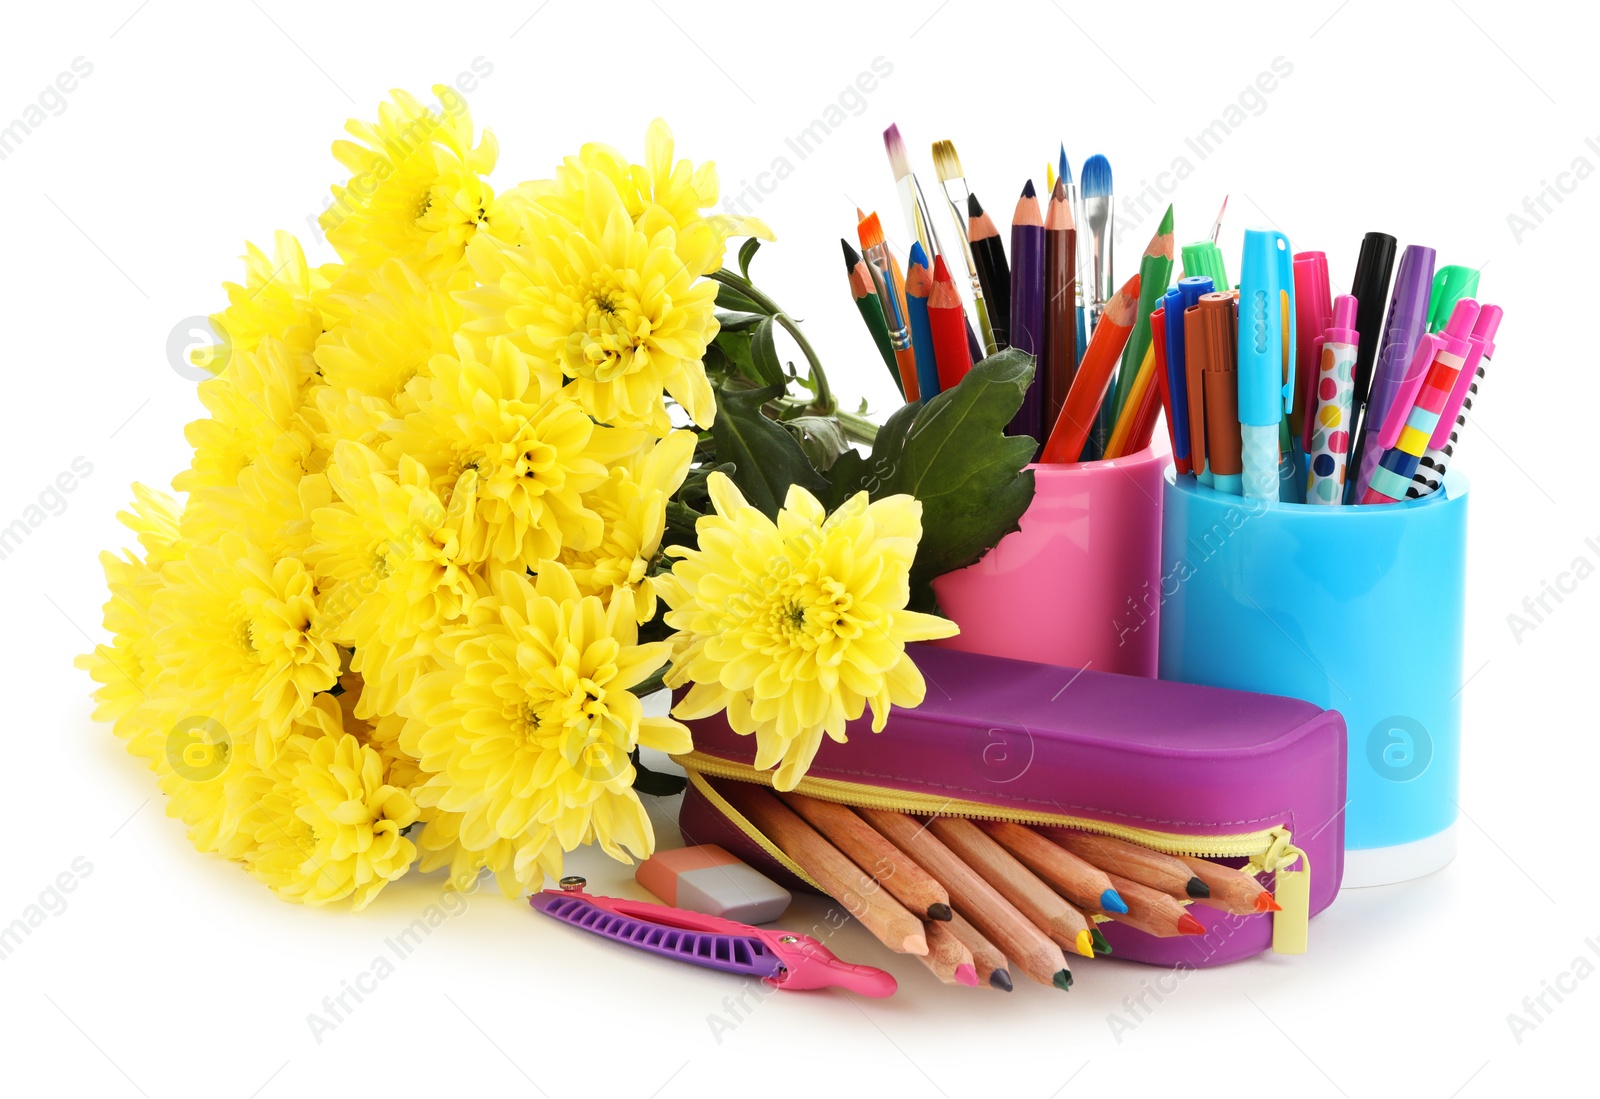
column 1231, row 890
column 909, row 883
column 948, row 957
column 1058, row 358
column 875, row 249
column 1047, row 909
column 1028, row 948
column 1164, row 872
column 1079, row 880
column 840, row 878
column 1143, row 389
column 1072, row 427
column 948, row 322
column 986, row 957
column 1154, row 912
column 919, row 283
column 1155, row 271
column 863, row 290
column 1027, row 305
column 1147, row 410
column 994, row 274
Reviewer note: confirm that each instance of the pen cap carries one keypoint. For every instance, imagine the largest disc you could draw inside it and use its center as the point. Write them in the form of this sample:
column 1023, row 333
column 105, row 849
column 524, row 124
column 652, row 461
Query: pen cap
column 1404, row 324
column 1205, row 259
column 1313, row 300
column 1405, row 395
column 1342, row 327
column 1207, row 348
column 1193, row 286
column 1371, row 288
column 1487, row 326
column 1266, row 373
column 1458, row 392
column 1215, row 318
column 1450, row 285
column 1462, row 319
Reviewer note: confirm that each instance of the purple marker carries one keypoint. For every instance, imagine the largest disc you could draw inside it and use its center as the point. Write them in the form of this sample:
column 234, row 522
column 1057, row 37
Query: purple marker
column 1405, row 324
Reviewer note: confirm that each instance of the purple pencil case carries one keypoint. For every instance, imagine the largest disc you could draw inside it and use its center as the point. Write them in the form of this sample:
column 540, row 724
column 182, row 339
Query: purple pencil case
column 1252, row 780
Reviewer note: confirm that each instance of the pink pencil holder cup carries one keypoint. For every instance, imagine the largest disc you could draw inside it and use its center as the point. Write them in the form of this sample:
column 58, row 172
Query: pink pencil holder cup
column 1080, row 583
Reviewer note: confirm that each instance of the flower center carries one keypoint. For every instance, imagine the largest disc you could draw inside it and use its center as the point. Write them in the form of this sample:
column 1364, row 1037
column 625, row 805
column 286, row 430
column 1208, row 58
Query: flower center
column 605, row 343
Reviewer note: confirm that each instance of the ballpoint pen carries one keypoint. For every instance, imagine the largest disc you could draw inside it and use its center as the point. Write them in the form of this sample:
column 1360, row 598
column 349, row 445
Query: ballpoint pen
column 1266, row 361
column 1326, row 439
column 1403, row 326
column 781, row 959
column 1424, row 407
column 1431, row 469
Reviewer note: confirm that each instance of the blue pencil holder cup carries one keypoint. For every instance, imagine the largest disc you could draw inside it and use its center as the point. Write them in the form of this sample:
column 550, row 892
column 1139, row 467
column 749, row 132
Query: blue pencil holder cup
column 1357, row 609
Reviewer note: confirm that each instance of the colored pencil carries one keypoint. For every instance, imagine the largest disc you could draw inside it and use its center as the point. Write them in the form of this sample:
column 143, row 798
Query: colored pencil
column 1119, row 857
column 1141, row 398
column 1071, row 430
column 909, row 883
column 1154, row 912
column 947, row 320
column 919, row 283
column 1231, row 890
column 994, row 274
column 863, row 290
column 1079, row 880
column 1155, row 272
column 948, row 957
column 1058, row 358
column 1029, row 948
column 954, row 182
column 1043, row 906
column 886, row 918
column 876, row 252
column 1027, row 305
column 986, row 957
column 1144, row 427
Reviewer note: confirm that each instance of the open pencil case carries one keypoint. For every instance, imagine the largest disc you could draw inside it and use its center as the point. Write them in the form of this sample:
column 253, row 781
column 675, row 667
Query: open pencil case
column 1252, row 780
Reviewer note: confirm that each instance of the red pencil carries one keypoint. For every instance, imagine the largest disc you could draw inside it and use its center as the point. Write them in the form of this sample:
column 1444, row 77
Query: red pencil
column 1155, row 396
column 1089, row 387
column 948, row 320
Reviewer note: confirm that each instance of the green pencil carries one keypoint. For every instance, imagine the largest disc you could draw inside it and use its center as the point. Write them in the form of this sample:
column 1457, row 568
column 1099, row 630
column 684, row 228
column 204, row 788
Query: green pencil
column 865, row 293
column 1155, row 270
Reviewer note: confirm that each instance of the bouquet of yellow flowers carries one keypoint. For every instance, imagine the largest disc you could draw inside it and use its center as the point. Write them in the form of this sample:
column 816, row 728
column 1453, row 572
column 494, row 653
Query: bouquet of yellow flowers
column 466, row 496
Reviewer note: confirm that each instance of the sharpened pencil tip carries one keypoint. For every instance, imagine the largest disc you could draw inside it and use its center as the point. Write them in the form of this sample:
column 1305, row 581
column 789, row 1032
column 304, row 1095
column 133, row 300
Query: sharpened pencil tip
column 966, row 975
column 1112, row 901
column 973, row 209
column 1266, row 903
column 851, row 256
column 1027, row 190
column 939, row 912
column 1085, row 943
column 1100, row 944
column 1197, row 888
column 1001, row 979
column 1062, row 979
column 1188, row 925
column 917, row 255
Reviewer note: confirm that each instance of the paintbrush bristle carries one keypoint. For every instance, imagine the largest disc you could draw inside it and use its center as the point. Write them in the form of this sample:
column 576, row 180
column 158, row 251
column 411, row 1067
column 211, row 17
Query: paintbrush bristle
column 946, row 162
column 899, row 163
column 870, row 231
column 1096, row 177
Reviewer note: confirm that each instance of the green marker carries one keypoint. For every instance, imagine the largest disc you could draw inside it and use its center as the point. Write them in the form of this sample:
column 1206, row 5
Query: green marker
column 1204, row 259
column 1450, row 285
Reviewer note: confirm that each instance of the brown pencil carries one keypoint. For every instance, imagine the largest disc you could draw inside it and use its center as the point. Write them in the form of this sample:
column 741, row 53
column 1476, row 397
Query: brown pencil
column 1058, row 361
column 986, row 957
column 948, row 957
column 1028, row 947
column 1049, row 912
column 1231, row 890
column 1140, row 864
column 1079, row 880
column 910, row 884
column 1154, row 912
column 840, row 878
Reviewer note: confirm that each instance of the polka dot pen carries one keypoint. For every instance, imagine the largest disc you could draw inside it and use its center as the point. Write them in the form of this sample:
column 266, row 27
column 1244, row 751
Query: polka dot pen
column 1327, row 429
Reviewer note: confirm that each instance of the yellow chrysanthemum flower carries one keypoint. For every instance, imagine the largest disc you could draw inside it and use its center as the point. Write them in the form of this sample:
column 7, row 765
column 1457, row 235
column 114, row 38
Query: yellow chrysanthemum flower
column 392, row 558
column 277, row 300
column 632, row 505
column 241, row 639
column 527, row 728
column 610, row 304
column 525, row 450
column 332, row 826
column 213, row 780
column 416, row 191
column 526, row 859
column 397, row 323
column 794, row 626
column 270, row 505
column 658, row 192
column 256, row 409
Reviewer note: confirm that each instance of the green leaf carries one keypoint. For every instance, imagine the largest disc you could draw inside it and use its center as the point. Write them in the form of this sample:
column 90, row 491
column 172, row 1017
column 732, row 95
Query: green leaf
column 747, row 252
column 854, row 471
column 733, row 322
column 957, row 460
column 820, row 437
column 766, row 458
column 734, row 347
column 732, row 298
column 764, row 354
column 655, row 783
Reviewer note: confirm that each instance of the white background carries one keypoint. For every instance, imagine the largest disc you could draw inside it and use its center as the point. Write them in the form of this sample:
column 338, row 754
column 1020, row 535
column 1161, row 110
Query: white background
column 202, row 125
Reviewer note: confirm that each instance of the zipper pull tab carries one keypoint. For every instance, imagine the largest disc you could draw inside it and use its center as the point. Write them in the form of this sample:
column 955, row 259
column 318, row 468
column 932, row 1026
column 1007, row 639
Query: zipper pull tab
column 1292, row 892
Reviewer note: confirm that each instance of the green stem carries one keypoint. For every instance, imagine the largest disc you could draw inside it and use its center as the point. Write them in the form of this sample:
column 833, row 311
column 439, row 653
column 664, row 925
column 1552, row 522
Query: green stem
column 824, row 404
column 855, row 426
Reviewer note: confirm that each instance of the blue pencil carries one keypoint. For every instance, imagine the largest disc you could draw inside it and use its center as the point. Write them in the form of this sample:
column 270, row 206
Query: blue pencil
column 919, row 284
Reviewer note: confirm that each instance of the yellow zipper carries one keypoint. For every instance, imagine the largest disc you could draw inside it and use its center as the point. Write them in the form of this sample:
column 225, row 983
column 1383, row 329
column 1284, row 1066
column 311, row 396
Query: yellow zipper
column 1268, row 850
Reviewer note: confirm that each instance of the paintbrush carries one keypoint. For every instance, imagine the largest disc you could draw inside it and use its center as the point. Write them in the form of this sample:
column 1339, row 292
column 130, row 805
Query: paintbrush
column 1216, row 226
column 1098, row 214
column 918, row 221
column 875, row 250
column 956, row 192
